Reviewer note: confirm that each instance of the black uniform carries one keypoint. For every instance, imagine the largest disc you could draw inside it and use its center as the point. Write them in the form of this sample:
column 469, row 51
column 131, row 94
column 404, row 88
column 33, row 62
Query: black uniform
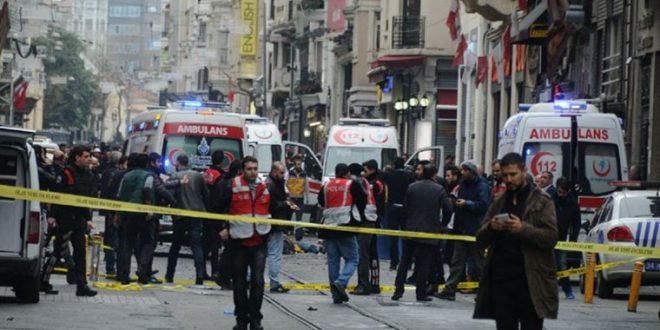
column 72, row 221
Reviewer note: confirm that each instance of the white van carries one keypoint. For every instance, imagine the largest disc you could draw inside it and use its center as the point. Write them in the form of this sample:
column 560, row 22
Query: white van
column 358, row 140
column 265, row 143
column 543, row 136
column 21, row 223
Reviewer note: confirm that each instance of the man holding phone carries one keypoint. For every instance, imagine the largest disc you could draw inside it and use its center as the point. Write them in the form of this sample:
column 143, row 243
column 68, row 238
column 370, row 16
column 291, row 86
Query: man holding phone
column 519, row 282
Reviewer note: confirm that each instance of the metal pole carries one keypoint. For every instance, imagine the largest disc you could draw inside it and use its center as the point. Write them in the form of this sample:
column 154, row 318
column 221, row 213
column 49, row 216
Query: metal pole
column 11, row 91
column 264, row 111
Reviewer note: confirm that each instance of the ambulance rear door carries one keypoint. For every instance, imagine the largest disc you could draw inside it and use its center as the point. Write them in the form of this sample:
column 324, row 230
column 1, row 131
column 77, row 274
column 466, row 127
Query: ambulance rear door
column 311, row 165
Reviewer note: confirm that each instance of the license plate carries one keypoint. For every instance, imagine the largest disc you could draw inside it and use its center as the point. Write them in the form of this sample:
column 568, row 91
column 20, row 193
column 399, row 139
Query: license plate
column 652, row 265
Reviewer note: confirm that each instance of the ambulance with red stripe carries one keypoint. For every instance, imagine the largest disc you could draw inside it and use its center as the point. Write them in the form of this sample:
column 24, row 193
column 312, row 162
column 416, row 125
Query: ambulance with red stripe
column 265, row 143
column 567, row 136
column 193, row 128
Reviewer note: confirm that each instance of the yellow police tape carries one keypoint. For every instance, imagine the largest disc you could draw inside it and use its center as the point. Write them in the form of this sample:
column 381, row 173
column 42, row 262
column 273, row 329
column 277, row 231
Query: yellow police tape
column 102, row 204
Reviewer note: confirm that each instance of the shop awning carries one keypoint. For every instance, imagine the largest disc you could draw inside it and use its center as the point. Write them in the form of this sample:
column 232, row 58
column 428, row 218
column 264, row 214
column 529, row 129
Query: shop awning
column 533, row 28
column 393, row 61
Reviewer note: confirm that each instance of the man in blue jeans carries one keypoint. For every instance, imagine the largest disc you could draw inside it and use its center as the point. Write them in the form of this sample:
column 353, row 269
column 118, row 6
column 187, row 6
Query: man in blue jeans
column 338, row 196
column 280, row 208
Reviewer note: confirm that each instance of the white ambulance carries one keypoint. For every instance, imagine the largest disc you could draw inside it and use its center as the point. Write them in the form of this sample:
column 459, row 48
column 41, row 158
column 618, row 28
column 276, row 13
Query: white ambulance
column 358, row 140
column 543, row 136
column 265, row 143
column 193, row 128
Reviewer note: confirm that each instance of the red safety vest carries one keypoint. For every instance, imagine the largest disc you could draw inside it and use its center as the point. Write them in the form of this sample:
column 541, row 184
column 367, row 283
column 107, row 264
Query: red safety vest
column 370, row 211
column 338, row 202
column 243, row 204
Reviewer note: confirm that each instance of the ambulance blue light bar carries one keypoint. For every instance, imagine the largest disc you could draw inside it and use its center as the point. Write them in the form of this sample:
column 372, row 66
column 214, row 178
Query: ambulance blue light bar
column 569, row 106
column 202, row 105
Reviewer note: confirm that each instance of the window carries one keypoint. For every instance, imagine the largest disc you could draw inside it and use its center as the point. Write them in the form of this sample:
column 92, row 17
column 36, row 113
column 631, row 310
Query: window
column 223, row 41
column 201, row 37
column 199, row 150
column 125, row 11
column 266, row 154
column 637, row 207
column 286, row 54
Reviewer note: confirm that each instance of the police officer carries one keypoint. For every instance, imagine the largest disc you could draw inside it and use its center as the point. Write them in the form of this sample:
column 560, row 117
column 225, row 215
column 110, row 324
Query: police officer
column 247, row 196
column 338, row 196
column 368, row 267
column 75, row 222
column 137, row 186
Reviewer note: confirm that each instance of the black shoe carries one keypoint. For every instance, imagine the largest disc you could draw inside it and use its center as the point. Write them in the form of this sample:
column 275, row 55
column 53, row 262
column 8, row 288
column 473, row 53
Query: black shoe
column 240, row 326
column 123, row 281
column 341, row 292
column 411, row 280
column 70, row 277
column 169, row 279
column 47, row 288
column 424, row 299
column 361, row 291
column 279, row 289
column 397, row 295
column 256, row 325
column 446, row 295
column 199, row 281
column 154, row 280
column 207, row 277
column 85, row 291
column 375, row 290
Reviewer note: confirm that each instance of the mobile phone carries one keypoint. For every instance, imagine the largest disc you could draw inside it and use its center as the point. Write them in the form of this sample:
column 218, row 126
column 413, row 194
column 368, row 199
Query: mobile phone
column 502, row 217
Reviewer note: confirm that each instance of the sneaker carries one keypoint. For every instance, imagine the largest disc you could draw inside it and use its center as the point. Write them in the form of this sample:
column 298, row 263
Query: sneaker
column 279, row 289
column 446, row 295
column 154, row 280
column 85, row 291
column 570, row 295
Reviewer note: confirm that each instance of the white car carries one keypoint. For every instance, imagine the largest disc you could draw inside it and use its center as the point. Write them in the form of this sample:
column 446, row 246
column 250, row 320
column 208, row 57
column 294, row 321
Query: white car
column 627, row 218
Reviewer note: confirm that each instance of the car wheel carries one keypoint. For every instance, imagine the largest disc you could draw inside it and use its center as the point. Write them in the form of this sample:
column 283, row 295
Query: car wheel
column 605, row 290
column 27, row 290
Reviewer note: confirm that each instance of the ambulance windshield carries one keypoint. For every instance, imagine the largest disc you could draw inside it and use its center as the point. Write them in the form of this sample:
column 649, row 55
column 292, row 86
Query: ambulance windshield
column 199, row 150
column 336, row 155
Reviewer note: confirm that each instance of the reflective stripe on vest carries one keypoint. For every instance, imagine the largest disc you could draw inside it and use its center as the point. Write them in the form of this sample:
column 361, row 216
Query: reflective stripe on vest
column 338, row 201
column 243, row 204
column 370, row 210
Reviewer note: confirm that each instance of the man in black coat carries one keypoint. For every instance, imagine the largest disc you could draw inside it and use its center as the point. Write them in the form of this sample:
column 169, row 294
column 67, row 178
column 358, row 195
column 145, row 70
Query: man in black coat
column 423, row 202
column 397, row 183
column 280, row 208
column 568, row 223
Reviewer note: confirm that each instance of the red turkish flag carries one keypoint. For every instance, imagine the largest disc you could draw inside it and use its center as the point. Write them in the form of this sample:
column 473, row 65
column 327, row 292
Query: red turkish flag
column 230, row 96
column 452, row 18
column 462, row 46
column 482, row 69
column 506, row 43
column 522, row 4
column 20, row 97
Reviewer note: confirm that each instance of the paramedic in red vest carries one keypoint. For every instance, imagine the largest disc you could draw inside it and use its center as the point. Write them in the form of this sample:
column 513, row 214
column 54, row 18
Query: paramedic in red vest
column 368, row 267
column 247, row 196
column 338, row 196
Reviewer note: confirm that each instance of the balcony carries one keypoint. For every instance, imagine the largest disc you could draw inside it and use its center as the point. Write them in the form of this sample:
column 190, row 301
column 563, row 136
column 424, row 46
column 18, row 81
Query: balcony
column 408, row 32
column 309, row 83
column 312, row 4
column 343, row 43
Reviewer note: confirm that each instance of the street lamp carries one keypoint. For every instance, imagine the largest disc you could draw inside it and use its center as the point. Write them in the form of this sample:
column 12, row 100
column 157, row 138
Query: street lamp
column 401, row 105
column 419, row 106
column 413, row 101
column 424, row 102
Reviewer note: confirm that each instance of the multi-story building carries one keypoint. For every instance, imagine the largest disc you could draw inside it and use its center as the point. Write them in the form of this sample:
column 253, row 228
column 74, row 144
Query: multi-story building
column 409, row 55
column 133, row 38
column 90, row 22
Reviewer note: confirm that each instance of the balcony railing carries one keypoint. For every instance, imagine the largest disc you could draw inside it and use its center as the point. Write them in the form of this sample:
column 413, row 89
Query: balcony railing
column 309, row 83
column 408, row 32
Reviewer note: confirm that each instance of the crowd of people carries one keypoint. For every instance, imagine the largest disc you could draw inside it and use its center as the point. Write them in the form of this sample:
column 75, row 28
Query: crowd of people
column 515, row 217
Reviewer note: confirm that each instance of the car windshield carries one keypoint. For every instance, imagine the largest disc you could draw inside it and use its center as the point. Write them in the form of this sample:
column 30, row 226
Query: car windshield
column 347, row 156
column 639, row 207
